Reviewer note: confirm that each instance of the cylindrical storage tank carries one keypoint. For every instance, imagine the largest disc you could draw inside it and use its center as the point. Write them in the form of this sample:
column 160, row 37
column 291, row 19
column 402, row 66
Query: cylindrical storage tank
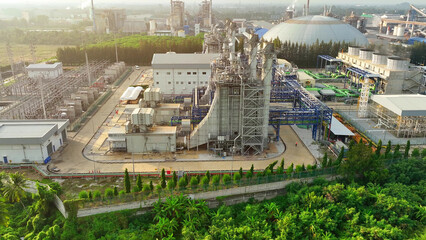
column 186, row 125
column 381, row 59
column 397, row 63
column 365, row 54
column 400, row 32
column 353, row 50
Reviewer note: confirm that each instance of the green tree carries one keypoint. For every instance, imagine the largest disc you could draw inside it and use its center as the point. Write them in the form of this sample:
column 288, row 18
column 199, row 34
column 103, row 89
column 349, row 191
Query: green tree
column 182, row 183
column 208, row 175
column 139, row 183
column 290, row 169
column 115, row 191
column 388, row 149
column 252, row 170
column 226, row 179
column 379, row 148
column 126, row 181
column 13, row 189
column 90, row 196
column 109, row 193
column 396, row 152
column 216, row 180
column 163, row 178
column 174, row 177
column 324, row 162
column 339, row 158
column 424, row 152
column 282, row 163
column 415, row 153
column 407, row 149
column 205, row 182
column 237, row 178
column 194, row 182
column 361, row 163
column 4, row 214
column 171, row 184
column 241, row 172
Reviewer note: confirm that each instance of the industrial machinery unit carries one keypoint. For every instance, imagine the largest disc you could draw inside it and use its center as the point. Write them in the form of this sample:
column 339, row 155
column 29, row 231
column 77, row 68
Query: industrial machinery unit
column 389, row 74
column 237, row 121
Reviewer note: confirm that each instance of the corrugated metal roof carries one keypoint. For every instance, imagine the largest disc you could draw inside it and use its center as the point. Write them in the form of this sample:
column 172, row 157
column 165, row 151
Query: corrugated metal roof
column 403, row 105
column 29, row 132
column 44, row 66
column 338, row 129
column 308, row 29
column 182, row 60
column 327, row 92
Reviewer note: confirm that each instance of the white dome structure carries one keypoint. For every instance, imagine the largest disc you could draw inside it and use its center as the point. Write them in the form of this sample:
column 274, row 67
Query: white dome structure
column 308, row 29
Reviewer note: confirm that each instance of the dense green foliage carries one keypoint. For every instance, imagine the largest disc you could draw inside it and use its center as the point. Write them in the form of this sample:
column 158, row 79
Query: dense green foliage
column 321, row 210
column 418, row 53
column 135, row 49
column 306, row 56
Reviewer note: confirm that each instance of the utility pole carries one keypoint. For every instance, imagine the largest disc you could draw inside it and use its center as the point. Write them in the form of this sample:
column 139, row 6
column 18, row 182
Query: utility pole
column 116, row 51
column 42, row 97
column 88, row 70
column 93, row 17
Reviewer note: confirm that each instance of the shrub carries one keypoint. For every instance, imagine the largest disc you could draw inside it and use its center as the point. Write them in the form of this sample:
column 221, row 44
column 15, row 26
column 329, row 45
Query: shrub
column 237, row 178
column 57, row 187
column 205, row 181
column 424, row 152
column 97, row 195
column 171, row 184
column 109, row 193
column 90, row 195
column 226, row 179
column 115, row 191
column 241, row 172
column 194, row 182
column 280, row 170
column 159, row 188
column 415, row 152
column 83, row 195
column 146, row 188
column 249, row 175
column 122, row 194
column 216, row 180
column 182, row 183
column 290, row 169
column 135, row 189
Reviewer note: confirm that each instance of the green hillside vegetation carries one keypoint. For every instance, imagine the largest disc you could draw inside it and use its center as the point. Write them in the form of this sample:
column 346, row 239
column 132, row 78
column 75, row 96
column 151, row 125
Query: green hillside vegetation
column 369, row 202
column 135, row 49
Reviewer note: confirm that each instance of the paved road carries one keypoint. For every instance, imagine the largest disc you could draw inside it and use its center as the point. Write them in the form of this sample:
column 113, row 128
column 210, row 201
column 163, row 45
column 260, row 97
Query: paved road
column 71, row 159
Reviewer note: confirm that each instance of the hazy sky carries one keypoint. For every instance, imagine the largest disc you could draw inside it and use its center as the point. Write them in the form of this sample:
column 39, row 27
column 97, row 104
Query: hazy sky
column 76, row 3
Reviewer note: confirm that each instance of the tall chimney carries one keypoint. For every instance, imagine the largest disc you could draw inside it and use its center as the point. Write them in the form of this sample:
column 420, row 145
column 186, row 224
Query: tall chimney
column 93, row 17
column 307, row 9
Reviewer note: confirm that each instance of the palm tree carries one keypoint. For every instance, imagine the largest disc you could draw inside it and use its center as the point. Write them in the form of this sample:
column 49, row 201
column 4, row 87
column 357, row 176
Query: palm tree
column 4, row 216
column 13, row 190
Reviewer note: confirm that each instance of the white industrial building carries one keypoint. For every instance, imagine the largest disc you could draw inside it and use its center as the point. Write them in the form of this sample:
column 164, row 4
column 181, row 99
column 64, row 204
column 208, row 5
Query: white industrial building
column 395, row 75
column 179, row 73
column 403, row 115
column 26, row 141
column 44, row 70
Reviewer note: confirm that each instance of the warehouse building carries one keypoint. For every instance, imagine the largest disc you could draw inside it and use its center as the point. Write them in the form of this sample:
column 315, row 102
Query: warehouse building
column 26, row 141
column 179, row 73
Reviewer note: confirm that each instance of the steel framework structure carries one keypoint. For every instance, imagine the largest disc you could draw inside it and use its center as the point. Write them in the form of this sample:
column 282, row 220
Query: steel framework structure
column 40, row 98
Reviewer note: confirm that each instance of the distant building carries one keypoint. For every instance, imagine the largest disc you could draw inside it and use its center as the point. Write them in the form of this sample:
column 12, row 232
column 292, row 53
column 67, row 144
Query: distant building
column 179, row 73
column 110, row 20
column 23, row 141
column 43, row 70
